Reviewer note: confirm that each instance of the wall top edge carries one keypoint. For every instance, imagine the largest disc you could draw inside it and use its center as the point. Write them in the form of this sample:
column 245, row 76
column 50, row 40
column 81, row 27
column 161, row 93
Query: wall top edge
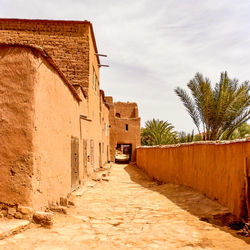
column 198, row 143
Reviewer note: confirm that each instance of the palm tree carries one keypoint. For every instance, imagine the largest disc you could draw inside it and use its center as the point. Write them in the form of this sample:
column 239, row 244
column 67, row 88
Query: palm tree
column 158, row 132
column 218, row 111
column 243, row 131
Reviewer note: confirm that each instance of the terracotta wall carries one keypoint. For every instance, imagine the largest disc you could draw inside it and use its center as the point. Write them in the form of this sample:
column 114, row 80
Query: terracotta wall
column 57, row 119
column 215, row 169
column 112, row 131
column 95, row 131
column 128, row 115
column 66, row 42
column 126, row 109
column 17, row 71
column 39, row 115
column 105, row 130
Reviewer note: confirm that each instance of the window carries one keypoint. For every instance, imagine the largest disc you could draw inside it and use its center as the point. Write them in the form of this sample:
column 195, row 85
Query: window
column 118, row 115
column 126, row 127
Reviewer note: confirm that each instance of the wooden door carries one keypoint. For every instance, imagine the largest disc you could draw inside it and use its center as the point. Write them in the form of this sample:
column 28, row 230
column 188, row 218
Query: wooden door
column 74, row 162
column 100, row 155
column 92, row 152
column 85, row 158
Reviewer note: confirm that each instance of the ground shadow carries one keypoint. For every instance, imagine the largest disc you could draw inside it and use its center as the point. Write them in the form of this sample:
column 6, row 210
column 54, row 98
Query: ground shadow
column 187, row 199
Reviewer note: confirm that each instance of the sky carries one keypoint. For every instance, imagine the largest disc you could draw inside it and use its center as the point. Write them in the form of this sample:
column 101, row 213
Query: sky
column 154, row 46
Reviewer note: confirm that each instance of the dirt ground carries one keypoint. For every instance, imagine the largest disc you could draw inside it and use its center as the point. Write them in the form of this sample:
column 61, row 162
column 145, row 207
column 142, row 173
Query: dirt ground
column 129, row 211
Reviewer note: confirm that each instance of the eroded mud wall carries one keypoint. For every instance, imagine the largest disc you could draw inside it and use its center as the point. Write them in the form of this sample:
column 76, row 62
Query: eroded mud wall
column 56, row 121
column 215, row 169
column 17, row 77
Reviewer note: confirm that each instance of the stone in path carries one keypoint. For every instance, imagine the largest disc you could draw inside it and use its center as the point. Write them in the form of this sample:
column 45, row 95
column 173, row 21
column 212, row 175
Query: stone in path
column 9, row 227
column 132, row 212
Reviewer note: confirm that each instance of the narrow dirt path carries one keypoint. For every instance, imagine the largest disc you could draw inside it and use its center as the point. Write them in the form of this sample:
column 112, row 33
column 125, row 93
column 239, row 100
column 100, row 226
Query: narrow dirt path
column 131, row 212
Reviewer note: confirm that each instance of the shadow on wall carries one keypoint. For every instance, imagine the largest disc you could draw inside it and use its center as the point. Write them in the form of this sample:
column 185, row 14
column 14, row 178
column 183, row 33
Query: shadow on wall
column 188, row 199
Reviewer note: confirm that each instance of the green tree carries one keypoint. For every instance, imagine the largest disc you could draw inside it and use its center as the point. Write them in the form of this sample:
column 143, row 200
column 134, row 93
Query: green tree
column 158, row 132
column 243, row 131
column 219, row 111
column 184, row 137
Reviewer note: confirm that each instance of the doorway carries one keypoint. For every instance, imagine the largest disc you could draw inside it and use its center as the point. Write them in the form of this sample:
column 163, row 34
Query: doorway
column 123, row 153
column 85, row 158
column 74, row 162
column 100, row 155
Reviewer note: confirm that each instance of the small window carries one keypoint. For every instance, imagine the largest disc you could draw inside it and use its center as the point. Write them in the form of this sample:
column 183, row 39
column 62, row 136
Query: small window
column 127, row 127
column 118, row 115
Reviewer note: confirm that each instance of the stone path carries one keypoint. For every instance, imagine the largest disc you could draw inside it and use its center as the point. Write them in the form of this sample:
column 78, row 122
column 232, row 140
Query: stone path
column 131, row 212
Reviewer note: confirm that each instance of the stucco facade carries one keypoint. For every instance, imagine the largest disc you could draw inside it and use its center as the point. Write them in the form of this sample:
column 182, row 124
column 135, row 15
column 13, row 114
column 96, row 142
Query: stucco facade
column 55, row 121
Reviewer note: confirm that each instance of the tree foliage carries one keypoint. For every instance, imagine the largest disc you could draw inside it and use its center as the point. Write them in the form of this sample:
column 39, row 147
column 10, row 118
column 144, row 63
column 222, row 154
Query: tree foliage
column 217, row 111
column 184, row 137
column 243, row 131
column 158, row 132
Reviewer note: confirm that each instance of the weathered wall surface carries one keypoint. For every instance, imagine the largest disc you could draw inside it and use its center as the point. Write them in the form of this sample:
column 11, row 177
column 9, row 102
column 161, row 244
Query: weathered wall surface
column 126, row 109
column 17, row 71
column 122, row 114
column 57, row 119
column 215, row 169
column 130, row 136
column 66, row 42
column 105, row 130
column 39, row 115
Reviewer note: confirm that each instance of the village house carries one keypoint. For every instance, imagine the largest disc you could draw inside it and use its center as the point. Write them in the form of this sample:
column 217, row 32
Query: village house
column 57, row 125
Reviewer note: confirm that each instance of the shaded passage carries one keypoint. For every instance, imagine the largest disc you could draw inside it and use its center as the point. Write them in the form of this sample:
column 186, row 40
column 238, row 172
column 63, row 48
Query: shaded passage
column 129, row 211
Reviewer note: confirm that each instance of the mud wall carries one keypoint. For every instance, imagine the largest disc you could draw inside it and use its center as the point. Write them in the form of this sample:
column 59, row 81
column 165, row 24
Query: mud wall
column 17, row 75
column 39, row 114
column 57, row 119
column 125, row 127
column 66, row 42
column 214, row 169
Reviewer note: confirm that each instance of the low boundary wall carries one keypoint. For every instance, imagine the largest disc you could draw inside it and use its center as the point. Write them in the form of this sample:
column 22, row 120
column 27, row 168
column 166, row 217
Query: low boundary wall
column 216, row 169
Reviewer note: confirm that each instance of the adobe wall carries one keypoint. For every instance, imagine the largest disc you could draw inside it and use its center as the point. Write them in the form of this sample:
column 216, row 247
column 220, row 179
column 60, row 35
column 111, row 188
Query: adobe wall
column 126, row 109
column 95, row 131
column 40, row 112
column 112, row 131
column 57, row 119
column 105, row 130
column 128, row 115
column 72, row 46
column 214, row 169
column 17, row 71
column 66, row 42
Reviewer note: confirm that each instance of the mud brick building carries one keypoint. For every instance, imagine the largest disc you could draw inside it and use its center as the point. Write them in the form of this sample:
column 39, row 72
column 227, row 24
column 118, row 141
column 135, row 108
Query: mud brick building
column 56, row 125
column 125, row 126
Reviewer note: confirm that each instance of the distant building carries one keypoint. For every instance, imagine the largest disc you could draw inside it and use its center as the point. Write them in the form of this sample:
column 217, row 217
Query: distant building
column 56, row 125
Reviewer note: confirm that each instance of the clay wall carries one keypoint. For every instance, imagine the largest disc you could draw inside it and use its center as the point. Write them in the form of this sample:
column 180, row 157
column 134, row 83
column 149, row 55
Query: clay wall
column 214, row 169
column 112, row 131
column 40, row 112
column 17, row 71
column 105, row 130
column 126, row 109
column 125, row 128
column 67, row 42
column 95, row 130
column 57, row 120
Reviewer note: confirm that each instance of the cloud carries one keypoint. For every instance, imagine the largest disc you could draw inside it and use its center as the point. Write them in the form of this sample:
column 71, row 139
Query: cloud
column 155, row 46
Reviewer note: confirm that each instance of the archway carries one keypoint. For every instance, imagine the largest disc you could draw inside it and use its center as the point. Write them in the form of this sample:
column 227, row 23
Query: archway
column 123, row 153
